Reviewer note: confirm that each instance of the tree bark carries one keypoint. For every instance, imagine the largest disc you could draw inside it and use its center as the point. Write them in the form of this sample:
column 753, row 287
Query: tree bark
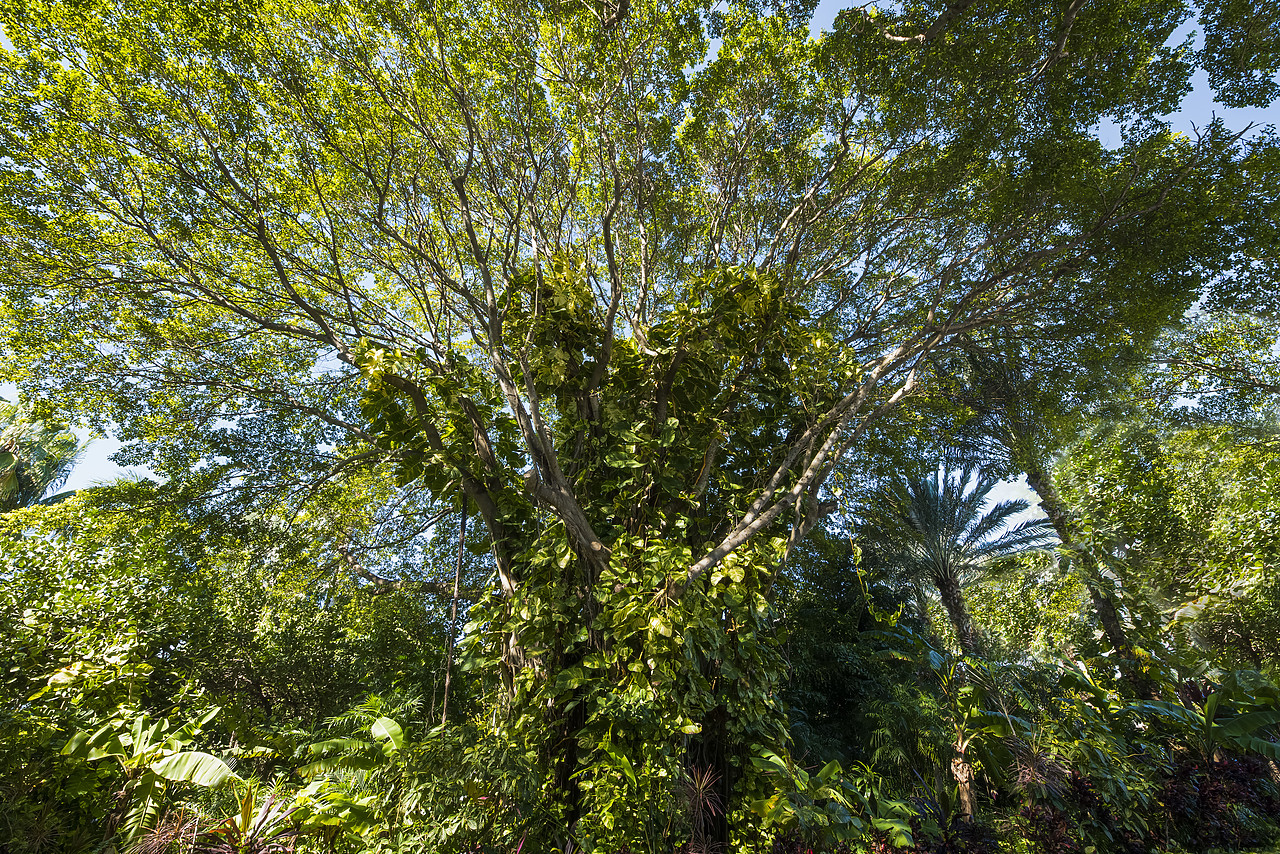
column 962, row 771
column 1103, row 605
column 953, row 601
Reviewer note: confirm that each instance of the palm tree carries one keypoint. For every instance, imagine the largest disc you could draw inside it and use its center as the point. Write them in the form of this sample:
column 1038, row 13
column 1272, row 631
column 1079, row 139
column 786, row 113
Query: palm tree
column 937, row 530
column 1024, row 422
column 36, row 457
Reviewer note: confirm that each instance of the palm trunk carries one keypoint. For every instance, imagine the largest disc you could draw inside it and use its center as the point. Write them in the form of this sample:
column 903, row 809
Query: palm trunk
column 953, row 601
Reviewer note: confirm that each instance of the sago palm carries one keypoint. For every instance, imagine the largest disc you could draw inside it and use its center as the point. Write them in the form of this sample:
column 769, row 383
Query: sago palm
column 938, row 531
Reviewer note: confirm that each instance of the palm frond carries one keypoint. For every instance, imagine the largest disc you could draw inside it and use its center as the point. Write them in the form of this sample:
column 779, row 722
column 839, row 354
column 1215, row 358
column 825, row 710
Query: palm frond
column 939, row 529
column 36, row 457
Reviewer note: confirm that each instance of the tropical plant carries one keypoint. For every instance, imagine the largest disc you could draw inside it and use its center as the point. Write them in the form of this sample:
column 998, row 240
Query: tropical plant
column 1228, row 718
column 261, row 825
column 151, row 756
column 36, row 457
column 1125, row 774
column 627, row 300
column 978, row 726
column 359, row 782
column 829, row 807
column 937, row 531
column 1092, row 769
column 832, row 614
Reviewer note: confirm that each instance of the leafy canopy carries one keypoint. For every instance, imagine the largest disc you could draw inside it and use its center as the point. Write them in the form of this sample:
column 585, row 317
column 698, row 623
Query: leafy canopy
column 630, row 302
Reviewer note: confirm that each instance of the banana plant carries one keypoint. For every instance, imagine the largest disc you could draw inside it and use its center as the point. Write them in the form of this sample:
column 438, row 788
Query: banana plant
column 978, row 726
column 357, row 754
column 151, row 756
column 1231, row 716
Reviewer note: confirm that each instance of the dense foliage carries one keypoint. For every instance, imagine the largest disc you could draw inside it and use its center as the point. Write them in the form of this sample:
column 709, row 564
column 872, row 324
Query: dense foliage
column 573, row 427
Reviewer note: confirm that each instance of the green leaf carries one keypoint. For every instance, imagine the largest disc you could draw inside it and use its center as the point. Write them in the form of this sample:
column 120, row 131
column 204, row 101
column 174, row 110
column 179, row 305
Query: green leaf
column 898, row 829
column 1269, row 749
column 622, row 460
column 623, row 763
column 192, row 728
column 77, row 745
column 193, row 766
column 770, row 761
column 112, row 748
column 331, row 764
column 104, row 742
column 144, row 794
column 992, row 723
column 1211, row 707
column 1245, row 724
column 337, row 744
column 385, row 729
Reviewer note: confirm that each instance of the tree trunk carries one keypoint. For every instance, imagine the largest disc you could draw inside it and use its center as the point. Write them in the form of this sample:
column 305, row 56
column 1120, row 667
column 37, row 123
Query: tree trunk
column 953, row 601
column 962, row 771
column 1103, row 605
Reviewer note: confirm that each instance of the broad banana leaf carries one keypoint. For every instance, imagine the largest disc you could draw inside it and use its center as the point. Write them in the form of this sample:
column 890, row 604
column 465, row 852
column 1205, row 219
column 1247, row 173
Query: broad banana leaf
column 1246, row 724
column 385, row 729
column 193, row 766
